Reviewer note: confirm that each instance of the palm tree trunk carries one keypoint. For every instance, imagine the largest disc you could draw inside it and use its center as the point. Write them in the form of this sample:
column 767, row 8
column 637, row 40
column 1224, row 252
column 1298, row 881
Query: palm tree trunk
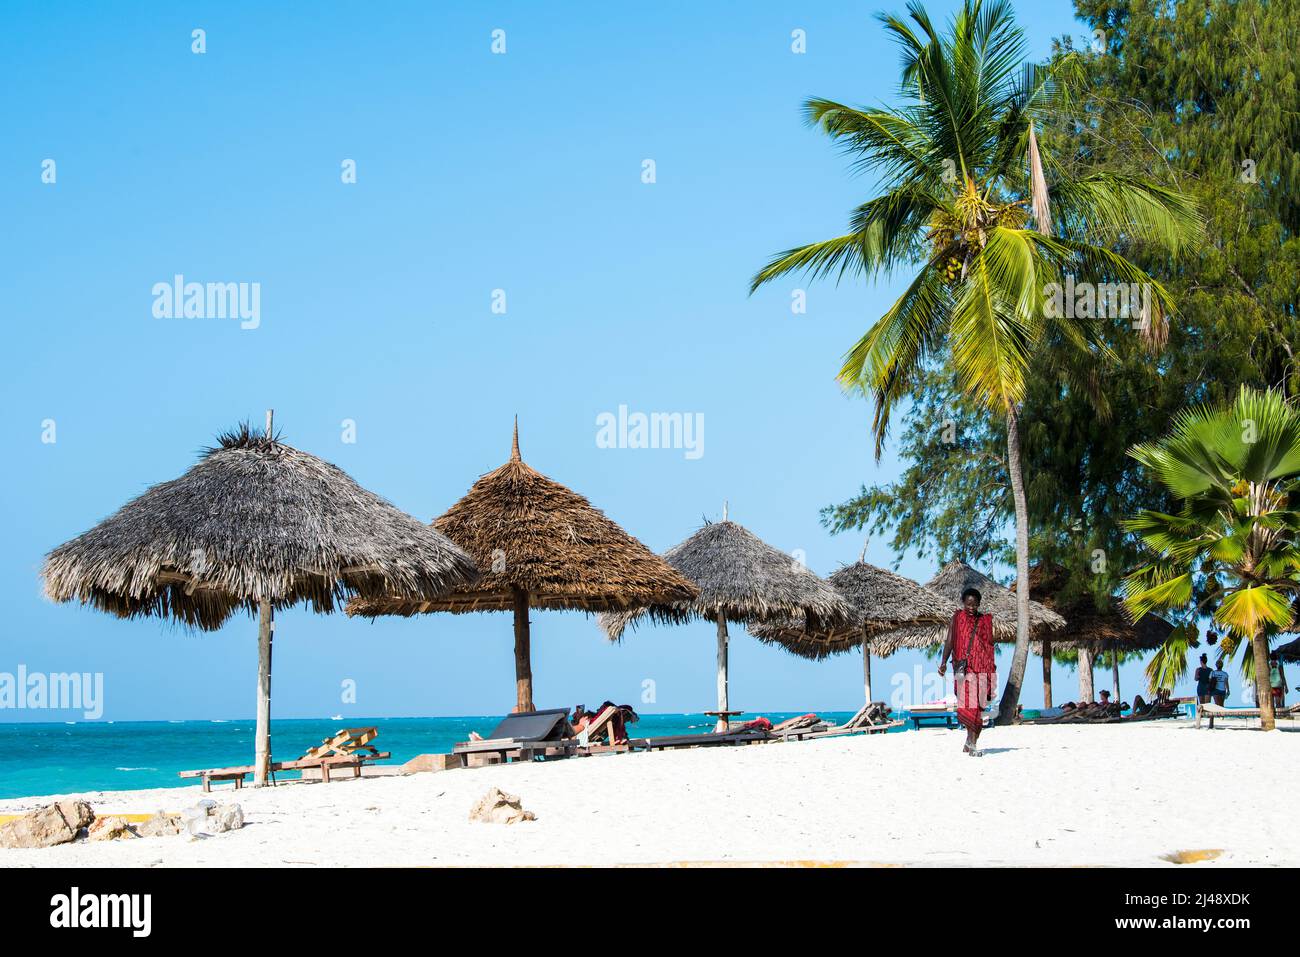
column 1263, row 688
column 1016, row 676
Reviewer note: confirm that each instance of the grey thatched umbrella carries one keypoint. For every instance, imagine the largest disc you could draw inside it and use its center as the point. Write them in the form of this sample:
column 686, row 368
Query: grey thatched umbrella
column 255, row 525
column 882, row 601
column 997, row 601
column 538, row 544
column 740, row 579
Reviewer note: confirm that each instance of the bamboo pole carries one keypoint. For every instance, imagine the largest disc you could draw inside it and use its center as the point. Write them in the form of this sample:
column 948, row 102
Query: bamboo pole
column 523, row 654
column 265, row 636
column 722, row 672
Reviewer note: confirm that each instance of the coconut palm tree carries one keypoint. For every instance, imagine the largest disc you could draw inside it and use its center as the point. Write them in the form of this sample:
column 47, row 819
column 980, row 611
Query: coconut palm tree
column 994, row 225
column 1234, row 547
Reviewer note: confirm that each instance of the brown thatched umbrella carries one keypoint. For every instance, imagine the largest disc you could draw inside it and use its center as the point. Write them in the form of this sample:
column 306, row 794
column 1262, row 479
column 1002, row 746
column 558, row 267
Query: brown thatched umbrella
column 996, row 601
column 882, row 601
column 1089, row 630
column 256, row 525
column 740, row 579
column 1290, row 652
column 538, row 544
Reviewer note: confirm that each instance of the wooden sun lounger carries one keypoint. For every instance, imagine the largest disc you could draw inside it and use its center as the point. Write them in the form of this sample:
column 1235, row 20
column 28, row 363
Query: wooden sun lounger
column 705, row 740
column 349, row 748
column 347, row 741
column 513, row 749
column 526, row 736
column 326, row 763
column 862, row 722
column 1213, row 711
column 588, row 739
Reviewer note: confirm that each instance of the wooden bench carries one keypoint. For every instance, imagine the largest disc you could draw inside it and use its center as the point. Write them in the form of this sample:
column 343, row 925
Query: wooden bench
column 237, row 775
column 947, row 717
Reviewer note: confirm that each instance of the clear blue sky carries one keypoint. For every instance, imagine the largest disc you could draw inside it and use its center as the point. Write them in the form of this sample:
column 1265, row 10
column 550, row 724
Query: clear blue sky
column 475, row 172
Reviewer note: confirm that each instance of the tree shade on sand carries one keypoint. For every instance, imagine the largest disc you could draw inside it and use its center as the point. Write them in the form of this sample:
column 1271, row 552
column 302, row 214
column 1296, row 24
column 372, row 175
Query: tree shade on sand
column 881, row 600
column 538, row 544
column 740, row 579
column 256, row 526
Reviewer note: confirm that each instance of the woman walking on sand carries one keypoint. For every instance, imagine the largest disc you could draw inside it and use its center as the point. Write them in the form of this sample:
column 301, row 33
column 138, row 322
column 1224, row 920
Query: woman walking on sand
column 974, row 670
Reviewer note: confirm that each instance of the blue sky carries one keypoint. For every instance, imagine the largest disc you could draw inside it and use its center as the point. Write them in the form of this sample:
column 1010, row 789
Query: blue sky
column 475, row 172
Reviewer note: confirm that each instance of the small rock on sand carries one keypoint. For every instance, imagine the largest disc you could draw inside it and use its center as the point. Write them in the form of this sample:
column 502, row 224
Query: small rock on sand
column 498, row 807
column 209, row 817
column 110, row 829
column 161, row 825
column 48, row 825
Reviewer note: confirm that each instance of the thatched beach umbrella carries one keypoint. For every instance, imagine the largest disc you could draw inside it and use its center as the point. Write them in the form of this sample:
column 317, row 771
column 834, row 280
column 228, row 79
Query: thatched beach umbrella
column 741, row 579
column 1090, row 630
column 1290, row 652
column 256, row 525
column 882, row 601
column 997, row 601
column 538, row 544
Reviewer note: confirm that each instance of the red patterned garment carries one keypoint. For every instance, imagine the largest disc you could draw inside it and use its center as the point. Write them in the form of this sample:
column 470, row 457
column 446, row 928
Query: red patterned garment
column 973, row 640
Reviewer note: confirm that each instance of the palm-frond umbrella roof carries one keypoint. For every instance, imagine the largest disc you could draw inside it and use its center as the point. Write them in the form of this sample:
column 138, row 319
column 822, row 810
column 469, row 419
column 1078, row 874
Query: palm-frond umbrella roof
column 525, row 531
column 1290, row 652
column 743, row 578
column 1087, row 626
column 997, row 601
column 254, row 520
column 882, row 600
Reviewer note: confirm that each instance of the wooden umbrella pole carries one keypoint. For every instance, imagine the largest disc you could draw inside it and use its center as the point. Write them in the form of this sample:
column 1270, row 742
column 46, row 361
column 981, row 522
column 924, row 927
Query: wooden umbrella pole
column 523, row 656
column 722, row 672
column 1114, row 663
column 1085, row 675
column 866, row 665
column 265, row 632
column 1047, row 673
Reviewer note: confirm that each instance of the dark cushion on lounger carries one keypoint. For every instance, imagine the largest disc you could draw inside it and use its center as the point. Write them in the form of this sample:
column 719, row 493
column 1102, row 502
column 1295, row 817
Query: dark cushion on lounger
column 532, row 725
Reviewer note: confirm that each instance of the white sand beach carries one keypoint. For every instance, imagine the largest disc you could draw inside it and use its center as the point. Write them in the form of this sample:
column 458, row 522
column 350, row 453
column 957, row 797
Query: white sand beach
column 1106, row 795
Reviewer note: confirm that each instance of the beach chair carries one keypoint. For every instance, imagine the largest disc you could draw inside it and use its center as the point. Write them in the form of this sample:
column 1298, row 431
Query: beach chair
column 347, row 741
column 797, row 728
column 349, row 748
column 589, row 739
column 721, row 739
column 872, row 718
column 1213, row 711
column 525, row 736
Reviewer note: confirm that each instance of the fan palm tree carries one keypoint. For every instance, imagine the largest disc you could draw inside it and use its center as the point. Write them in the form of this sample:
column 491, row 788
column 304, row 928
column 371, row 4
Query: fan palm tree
column 1234, row 547
column 1168, row 665
column 962, row 178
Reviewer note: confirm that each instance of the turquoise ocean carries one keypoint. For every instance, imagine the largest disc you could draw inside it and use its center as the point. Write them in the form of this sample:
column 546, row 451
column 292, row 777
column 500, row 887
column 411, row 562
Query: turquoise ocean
column 59, row 758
